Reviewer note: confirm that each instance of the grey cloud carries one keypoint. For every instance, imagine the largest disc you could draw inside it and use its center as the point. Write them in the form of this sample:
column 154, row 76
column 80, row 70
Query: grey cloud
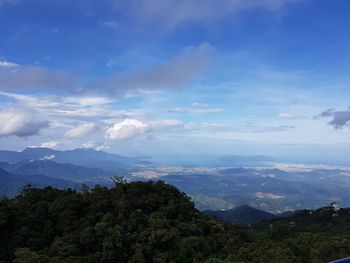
column 21, row 123
column 183, row 68
column 340, row 119
column 35, row 77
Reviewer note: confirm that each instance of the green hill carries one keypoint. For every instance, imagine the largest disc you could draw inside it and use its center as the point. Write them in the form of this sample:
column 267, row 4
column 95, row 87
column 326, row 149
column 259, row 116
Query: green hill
column 154, row 222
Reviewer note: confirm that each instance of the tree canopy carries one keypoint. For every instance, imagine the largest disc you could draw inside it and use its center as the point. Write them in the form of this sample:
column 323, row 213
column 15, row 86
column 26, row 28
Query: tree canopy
column 154, row 222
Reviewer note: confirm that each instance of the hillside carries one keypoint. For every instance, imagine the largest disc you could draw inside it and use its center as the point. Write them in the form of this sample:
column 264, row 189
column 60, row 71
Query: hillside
column 50, row 168
column 154, row 222
column 242, row 215
column 135, row 222
column 11, row 184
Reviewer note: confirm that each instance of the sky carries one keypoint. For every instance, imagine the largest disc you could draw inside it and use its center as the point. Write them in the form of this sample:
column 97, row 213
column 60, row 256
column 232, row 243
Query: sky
column 177, row 77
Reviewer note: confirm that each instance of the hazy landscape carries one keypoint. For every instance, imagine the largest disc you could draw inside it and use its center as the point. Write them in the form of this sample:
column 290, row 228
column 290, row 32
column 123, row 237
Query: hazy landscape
column 174, row 131
column 257, row 181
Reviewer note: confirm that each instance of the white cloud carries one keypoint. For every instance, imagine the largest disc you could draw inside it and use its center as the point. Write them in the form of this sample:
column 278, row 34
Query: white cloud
column 71, row 107
column 166, row 123
column 49, row 157
column 96, row 146
column 51, row 144
column 197, row 108
column 127, row 129
column 60, row 124
column 81, row 130
column 6, row 64
column 20, row 123
column 88, row 101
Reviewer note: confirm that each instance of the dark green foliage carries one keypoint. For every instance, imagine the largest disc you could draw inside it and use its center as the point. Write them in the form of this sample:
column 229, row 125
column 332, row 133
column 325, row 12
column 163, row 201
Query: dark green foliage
column 154, row 222
column 132, row 222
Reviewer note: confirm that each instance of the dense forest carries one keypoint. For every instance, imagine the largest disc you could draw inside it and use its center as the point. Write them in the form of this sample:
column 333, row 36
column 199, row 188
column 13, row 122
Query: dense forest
column 155, row 222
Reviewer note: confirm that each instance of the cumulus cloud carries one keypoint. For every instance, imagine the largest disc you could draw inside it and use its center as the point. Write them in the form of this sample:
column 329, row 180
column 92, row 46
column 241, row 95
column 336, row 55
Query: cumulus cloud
column 81, row 130
column 169, row 14
column 340, row 119
column 127, row 129
column 19, row 123
column 182, row 69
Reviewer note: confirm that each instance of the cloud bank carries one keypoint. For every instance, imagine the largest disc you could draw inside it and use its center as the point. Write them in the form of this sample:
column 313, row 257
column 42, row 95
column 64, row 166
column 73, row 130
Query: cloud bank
column 19, row 123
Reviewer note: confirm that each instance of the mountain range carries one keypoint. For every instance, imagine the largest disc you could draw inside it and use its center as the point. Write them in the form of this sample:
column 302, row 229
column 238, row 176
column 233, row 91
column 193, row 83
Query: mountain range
column 11, row 184
column 242, row 215
column 42, row 167
column 84, row 156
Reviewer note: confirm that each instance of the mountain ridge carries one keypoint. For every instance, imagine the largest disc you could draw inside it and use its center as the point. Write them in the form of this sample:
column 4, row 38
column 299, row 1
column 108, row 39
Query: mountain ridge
column 82, row 156
column 242, row 215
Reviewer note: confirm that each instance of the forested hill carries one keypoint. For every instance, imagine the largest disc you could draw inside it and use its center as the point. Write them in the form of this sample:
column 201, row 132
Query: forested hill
column 154, row 222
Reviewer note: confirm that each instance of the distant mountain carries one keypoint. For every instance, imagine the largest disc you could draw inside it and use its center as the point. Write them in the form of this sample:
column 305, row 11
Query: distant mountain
column 11, row 184
column 242, row 215
column 287, row 214
column 238, row 160
column 84, row 157
column 57, row 170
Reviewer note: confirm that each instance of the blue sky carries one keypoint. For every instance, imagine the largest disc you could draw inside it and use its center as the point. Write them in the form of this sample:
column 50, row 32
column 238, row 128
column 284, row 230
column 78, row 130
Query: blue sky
column 171, row 77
